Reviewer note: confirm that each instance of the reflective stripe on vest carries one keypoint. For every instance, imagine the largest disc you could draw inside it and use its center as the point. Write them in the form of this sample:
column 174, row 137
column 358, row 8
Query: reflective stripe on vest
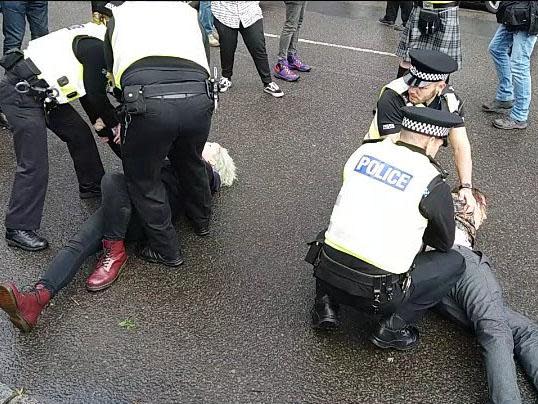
column 54, row 57
column 399, row 86
column 376, row 217
column 173, row 31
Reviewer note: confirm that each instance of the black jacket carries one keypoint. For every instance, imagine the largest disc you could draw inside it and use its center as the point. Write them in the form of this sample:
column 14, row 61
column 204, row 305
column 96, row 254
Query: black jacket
column 519, row 16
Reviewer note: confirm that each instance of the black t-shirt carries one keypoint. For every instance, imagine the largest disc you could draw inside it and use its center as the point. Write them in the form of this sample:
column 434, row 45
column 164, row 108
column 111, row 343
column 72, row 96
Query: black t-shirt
column 390, row 116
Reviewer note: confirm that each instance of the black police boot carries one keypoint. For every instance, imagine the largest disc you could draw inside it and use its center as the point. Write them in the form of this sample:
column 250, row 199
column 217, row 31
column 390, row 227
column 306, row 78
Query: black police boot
column 149, row 255
column 325, row 314
column 201, row 230
column 394, row 332
column 26, row 239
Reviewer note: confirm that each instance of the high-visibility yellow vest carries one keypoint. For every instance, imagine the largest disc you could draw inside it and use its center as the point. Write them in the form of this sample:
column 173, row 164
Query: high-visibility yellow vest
column 170, row 29
column 376, row 217
column 54, row 57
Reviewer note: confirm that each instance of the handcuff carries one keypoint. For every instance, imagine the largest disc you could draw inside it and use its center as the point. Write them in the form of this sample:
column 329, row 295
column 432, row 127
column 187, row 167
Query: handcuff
column 23, row 87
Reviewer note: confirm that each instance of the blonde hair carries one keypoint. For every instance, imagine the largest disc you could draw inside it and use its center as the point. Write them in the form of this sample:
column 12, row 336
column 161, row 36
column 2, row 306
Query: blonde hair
column 225, row 166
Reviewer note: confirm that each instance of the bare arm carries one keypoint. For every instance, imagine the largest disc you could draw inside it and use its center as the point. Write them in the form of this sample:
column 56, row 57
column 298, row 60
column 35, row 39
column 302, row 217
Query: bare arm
column 464, row 164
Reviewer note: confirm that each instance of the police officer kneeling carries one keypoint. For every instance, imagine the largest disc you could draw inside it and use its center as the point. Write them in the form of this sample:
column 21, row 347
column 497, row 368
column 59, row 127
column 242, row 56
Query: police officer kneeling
column 163, row 72
column 393, row 201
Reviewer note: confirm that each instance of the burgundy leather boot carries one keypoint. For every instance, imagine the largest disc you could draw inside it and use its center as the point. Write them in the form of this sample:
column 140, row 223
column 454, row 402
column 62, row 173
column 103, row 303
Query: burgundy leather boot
column 109, row 266
column 23, row 308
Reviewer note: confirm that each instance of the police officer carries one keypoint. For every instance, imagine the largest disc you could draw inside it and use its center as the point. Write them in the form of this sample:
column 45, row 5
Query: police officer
column 370, row 257
column 35, row 94
column 426, row 85
column 163, row 72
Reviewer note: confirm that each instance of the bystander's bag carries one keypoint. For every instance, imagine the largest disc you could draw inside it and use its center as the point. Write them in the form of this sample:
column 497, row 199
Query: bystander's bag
column 515, row 15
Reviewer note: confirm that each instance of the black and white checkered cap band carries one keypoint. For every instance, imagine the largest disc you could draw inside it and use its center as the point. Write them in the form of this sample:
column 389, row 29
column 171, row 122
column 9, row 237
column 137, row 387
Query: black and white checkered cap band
column 425, row 128
column 427, row 76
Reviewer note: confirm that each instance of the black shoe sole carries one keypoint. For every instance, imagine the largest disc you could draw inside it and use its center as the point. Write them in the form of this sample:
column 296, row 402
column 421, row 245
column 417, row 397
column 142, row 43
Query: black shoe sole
column 387, row 345
column 497, row 110
column 387, row 24
column 13, row 243
column 8, row 303
column 326, row 325
column 156, row 261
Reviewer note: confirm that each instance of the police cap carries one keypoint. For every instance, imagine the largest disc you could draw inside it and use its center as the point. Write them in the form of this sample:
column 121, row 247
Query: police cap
column 428, row 66
column 429, row 121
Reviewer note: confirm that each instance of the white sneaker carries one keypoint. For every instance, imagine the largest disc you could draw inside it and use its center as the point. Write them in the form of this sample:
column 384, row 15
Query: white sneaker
column 274, row 90
column 214, row 42
column 224, row 84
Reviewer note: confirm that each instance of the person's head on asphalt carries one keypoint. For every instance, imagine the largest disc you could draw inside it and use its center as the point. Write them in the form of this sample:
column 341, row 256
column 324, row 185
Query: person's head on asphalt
column 427, row 128
column 220, row 160
column 428, row 74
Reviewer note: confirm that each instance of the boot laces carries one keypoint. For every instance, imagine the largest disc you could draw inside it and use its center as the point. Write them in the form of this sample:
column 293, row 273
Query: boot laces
column 105, row 259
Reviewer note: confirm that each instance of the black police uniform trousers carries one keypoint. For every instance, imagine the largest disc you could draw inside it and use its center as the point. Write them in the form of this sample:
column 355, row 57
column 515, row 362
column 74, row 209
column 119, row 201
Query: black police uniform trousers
column 433, row 275
column 177, row 128
column 29, row 124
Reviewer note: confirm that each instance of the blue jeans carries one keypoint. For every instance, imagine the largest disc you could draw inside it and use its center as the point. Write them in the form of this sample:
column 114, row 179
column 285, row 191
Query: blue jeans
column 15, row 15
column 511, row 52
column 206, row 17
column 476, row 302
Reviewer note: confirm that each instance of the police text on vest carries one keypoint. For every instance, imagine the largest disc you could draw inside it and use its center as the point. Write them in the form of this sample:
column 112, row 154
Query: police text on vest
column 383, row 172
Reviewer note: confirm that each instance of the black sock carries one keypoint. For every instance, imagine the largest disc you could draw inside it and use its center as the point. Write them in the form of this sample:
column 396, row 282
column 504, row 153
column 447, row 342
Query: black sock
column 401, row 71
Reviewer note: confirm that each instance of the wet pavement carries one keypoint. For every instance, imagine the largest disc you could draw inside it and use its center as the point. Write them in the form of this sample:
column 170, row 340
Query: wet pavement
column 232, row 324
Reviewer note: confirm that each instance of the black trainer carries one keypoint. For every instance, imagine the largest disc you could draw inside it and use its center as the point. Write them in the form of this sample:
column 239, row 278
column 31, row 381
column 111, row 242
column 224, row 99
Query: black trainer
column 26, row 239
column 149, row 255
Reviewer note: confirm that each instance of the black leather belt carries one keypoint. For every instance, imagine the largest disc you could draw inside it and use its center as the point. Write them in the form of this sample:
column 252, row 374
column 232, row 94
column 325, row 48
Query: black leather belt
column 436, row 6
column 363, row 277
column 176, row 90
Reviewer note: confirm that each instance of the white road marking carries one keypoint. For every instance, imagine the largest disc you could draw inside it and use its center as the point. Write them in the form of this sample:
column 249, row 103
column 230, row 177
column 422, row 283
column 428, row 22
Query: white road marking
column 333, row 45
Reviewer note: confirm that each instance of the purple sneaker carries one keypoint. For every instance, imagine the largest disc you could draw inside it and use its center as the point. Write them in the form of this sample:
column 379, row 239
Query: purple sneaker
column 295, row 63
column 282, row 71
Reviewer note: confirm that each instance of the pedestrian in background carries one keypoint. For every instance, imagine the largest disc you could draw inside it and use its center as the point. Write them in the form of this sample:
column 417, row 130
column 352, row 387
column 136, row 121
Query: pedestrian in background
column 391, row 13
column 432, row 25
column 245, row 17
column 511, row 49
column 206, row 19
column 14, row 26
column 287, row 52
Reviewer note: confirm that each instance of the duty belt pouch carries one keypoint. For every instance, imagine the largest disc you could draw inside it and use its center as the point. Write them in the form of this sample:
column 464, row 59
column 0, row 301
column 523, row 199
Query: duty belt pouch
column 312, row 256
column 429, row 22
column 133, row 98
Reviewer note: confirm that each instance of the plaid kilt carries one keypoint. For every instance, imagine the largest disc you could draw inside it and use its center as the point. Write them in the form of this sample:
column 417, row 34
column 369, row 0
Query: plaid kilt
column 446, row 40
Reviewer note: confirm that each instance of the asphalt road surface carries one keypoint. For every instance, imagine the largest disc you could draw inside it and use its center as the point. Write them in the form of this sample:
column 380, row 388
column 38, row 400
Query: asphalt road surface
column 232, row 324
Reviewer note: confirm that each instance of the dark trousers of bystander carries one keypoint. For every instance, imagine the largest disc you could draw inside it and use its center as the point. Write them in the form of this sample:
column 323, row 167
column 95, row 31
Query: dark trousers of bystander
column 391, row 12
column 14, row 22
column 255, row 42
